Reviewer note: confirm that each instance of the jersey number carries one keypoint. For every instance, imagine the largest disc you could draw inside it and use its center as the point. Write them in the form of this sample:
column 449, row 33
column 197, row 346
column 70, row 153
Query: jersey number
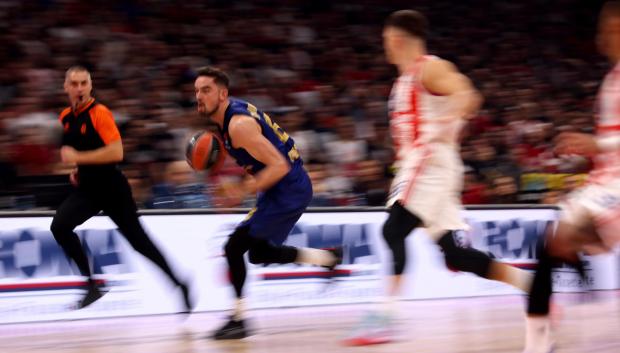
column 293, row 154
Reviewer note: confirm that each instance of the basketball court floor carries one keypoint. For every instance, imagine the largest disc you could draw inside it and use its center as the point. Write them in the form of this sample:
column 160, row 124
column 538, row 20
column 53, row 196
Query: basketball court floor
column 466, row 325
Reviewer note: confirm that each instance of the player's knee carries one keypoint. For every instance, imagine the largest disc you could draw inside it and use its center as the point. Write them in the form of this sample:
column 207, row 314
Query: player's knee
column 392, row 235
column 464, row 259
column 255, row 257
column 237, row 244
column 399, row 224
column 258, row 254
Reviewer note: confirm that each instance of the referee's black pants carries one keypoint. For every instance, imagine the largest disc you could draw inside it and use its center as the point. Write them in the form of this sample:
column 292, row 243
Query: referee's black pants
column 111, row 195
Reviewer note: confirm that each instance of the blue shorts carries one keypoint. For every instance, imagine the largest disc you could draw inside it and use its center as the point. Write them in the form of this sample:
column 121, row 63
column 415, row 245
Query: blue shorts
column 279, row 208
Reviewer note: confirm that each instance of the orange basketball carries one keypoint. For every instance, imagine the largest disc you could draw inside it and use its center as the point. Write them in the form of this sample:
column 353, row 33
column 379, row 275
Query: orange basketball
column 205, row 151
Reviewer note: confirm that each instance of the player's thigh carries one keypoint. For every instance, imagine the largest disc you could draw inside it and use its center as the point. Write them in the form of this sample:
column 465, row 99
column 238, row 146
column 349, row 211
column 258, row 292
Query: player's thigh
column 447, row 216
column 410, row 170
column 436, row 200
column 272, row 222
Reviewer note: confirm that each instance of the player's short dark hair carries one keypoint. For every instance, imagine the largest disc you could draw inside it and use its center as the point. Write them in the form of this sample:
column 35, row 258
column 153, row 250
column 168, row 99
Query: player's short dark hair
column 610, row 9
column 410, row 21
column 219, row 77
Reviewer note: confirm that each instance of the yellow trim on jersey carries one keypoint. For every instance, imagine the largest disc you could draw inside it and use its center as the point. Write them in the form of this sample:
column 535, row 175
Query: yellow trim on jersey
column 250, row 214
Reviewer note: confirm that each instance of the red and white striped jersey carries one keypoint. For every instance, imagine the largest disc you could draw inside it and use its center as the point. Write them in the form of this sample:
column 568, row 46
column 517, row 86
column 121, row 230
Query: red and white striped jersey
column 417, row 116
column 607, row 164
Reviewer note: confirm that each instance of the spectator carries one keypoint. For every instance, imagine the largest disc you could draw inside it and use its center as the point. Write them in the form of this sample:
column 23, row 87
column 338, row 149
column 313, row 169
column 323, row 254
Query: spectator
column 321, row 196
column 323, row 58
column 475, row 192
column 504, row 190
column 180, row 189
column 370, row 184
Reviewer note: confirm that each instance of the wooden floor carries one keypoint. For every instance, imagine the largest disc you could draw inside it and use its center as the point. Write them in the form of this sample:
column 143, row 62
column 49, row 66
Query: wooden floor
column 493, row 324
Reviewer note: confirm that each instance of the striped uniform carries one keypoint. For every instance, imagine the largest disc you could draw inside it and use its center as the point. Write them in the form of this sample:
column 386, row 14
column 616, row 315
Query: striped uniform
column 430, row 171
column 599, row 200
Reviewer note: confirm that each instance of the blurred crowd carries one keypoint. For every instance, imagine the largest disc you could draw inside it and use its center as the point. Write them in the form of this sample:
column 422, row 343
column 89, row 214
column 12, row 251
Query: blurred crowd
column 317, row 67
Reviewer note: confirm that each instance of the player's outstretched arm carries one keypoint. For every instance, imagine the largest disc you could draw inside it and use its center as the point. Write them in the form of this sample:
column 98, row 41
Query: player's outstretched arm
column 245, row 133
column 443, row 78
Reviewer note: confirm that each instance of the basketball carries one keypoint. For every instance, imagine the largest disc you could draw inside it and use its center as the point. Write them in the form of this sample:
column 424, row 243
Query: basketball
column 205, row 151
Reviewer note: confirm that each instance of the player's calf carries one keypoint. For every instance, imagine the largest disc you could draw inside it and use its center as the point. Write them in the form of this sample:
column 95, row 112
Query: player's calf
column 399, row 224
column 263, row 252
column 464, row 259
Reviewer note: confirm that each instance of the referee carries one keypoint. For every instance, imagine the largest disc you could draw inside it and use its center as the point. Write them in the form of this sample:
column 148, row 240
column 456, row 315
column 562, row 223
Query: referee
column 92, row 141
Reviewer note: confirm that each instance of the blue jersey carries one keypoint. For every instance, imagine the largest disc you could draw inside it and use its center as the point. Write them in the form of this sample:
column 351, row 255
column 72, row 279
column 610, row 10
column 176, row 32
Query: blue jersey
column 277, row 209
column 271, row 131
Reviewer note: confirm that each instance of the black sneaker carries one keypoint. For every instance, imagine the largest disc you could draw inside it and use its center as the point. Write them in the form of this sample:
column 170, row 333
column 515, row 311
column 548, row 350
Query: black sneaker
column 232, row 330
column 188, row 303
column 92, row 295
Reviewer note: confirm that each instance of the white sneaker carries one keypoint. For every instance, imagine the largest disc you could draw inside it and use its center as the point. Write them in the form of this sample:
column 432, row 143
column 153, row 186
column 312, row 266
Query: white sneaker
column 374, row 328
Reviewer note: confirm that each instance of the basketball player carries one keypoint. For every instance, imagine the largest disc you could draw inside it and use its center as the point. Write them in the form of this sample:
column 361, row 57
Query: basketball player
column 590, row 215
column 428, row 105
column 92, row 142
column 284, row 190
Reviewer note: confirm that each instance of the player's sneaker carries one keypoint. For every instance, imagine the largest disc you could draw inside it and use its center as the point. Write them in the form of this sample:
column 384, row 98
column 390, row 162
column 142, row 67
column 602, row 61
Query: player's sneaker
column 232, row 330
column 93, row 293
column 374, row 328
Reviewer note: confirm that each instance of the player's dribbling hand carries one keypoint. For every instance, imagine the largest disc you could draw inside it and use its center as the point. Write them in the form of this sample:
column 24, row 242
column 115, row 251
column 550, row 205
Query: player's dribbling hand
column 68, row 154
column 249, row 186
column 231, row 195
column 575, row 143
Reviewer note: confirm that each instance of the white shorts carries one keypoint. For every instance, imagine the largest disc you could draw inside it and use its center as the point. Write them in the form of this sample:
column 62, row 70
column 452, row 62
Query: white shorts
column 597, row 205
column 428, row 184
